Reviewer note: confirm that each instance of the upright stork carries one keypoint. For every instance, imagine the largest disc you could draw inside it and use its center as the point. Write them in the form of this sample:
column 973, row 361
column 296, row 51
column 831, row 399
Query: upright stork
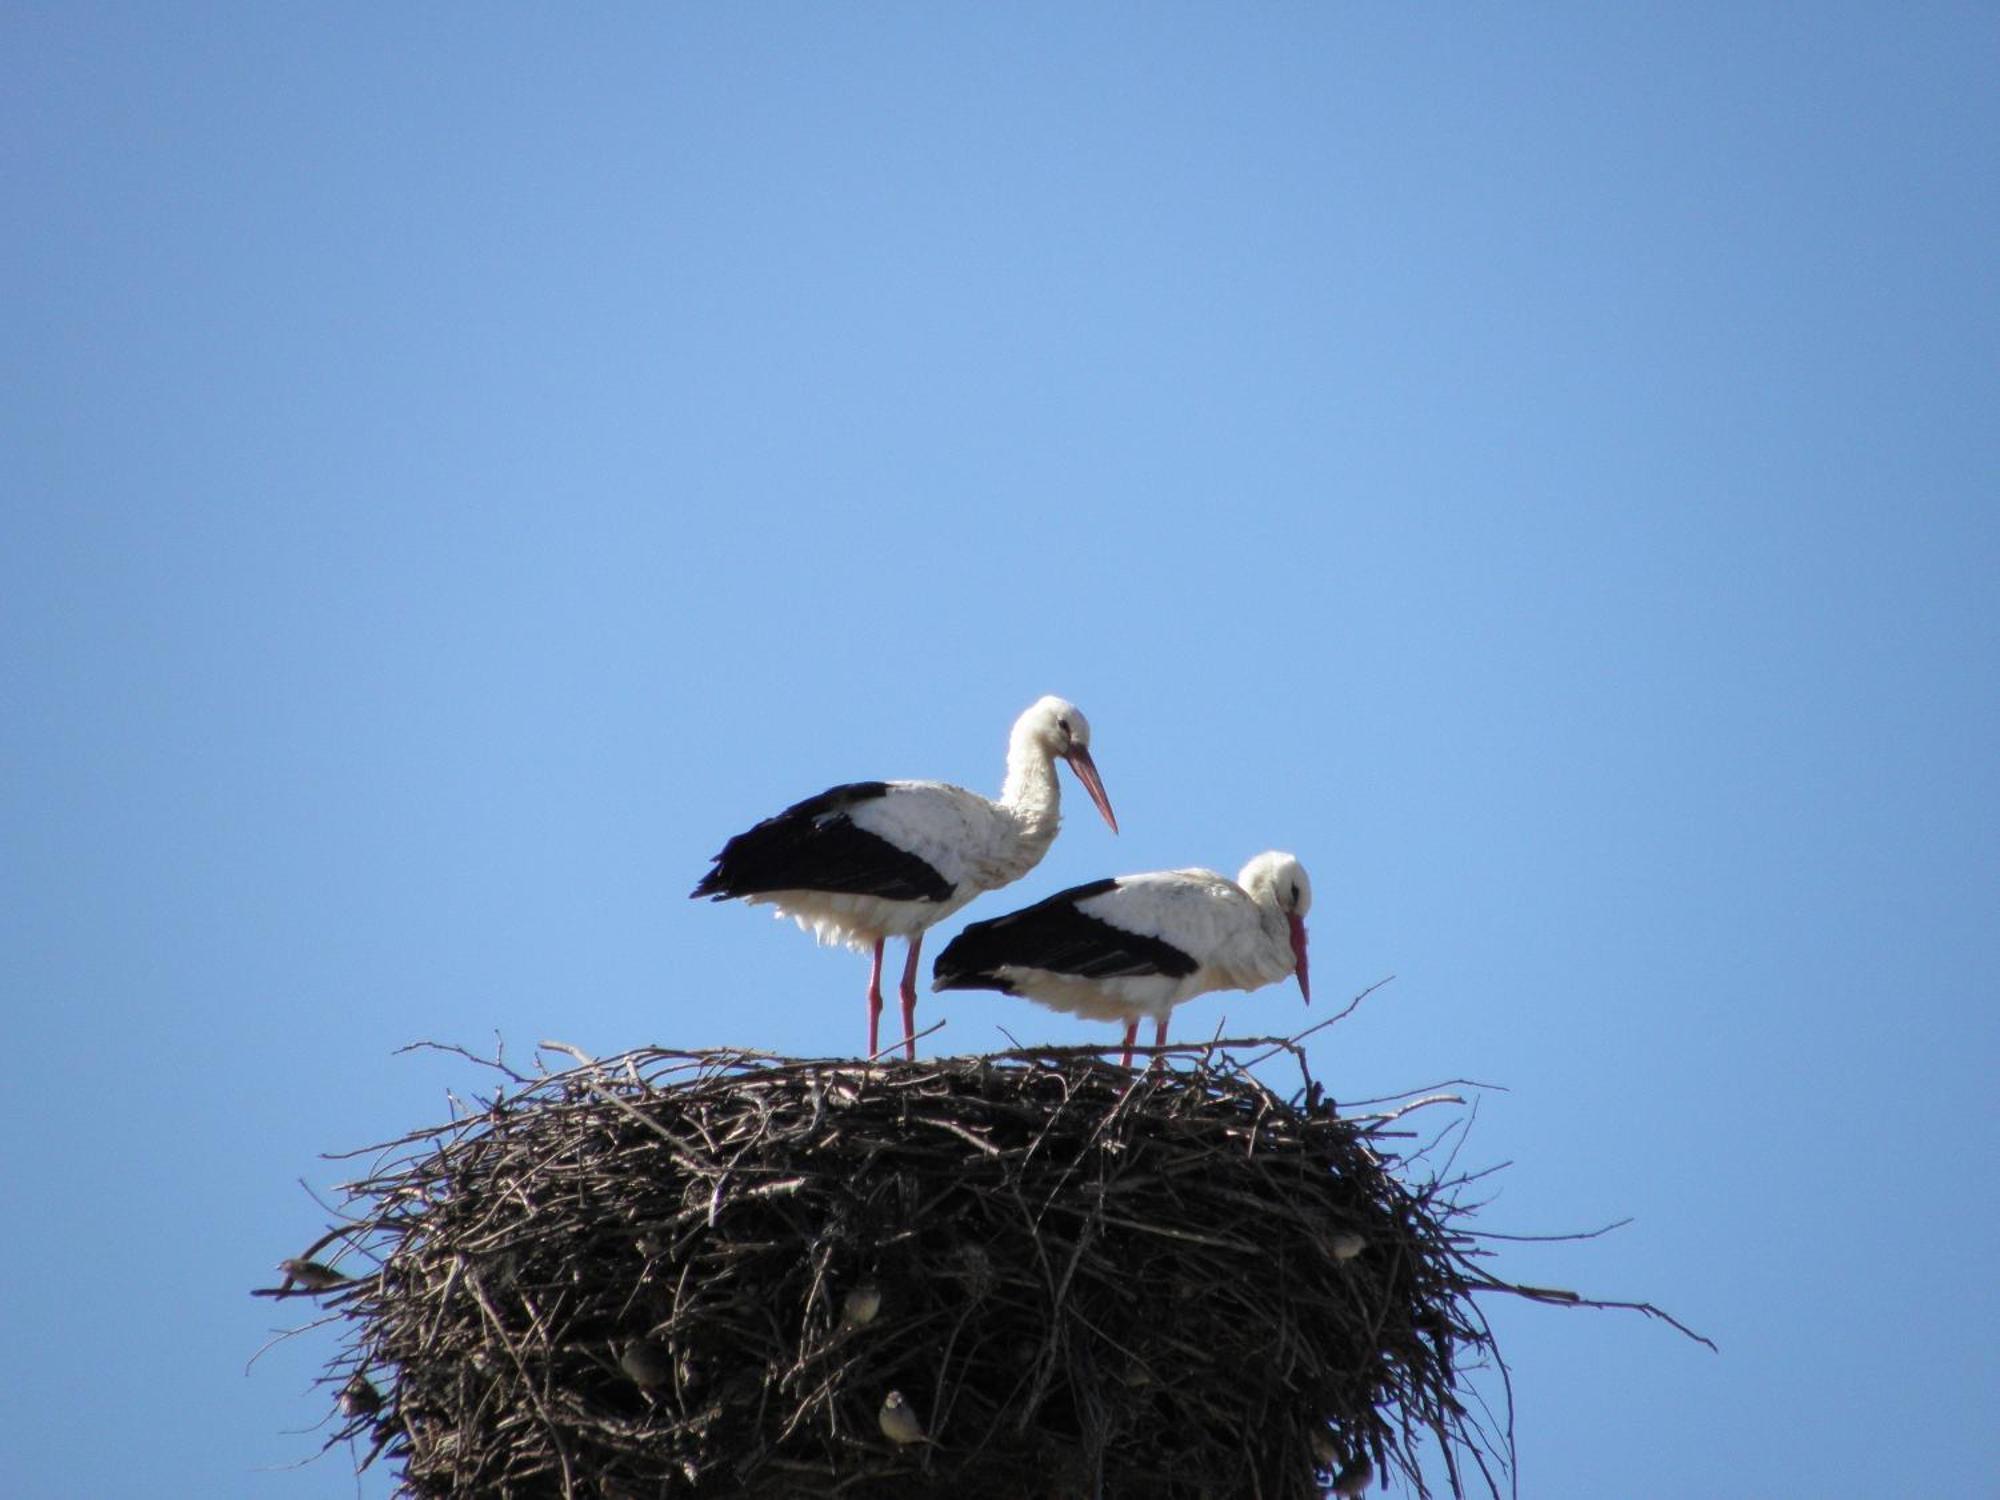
column 1138, row 945
column 872, row 860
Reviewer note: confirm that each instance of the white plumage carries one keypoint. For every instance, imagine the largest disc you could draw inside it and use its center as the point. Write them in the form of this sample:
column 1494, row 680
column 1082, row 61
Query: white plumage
column 871, row 860
column 1139, row 945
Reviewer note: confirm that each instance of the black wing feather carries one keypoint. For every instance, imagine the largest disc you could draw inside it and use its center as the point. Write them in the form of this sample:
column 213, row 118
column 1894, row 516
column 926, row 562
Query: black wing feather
column 814, row 845
column 1054, row 935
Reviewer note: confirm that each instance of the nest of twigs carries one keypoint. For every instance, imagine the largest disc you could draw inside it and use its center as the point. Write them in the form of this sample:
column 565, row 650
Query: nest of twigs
column 651, row 1277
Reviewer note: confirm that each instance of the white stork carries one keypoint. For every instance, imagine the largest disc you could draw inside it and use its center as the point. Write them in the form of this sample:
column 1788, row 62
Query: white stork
column 1138, row 945
column 872, row 860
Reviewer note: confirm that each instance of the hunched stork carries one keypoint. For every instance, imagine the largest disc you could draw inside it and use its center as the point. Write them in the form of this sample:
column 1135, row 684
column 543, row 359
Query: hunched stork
column 872, row 860
column 1138, row 945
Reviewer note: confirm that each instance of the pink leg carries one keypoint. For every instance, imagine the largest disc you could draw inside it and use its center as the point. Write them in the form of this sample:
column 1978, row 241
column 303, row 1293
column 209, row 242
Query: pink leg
column 910, row 999
column 875, row 997
column 1131, row 1036
column 1159, row 1040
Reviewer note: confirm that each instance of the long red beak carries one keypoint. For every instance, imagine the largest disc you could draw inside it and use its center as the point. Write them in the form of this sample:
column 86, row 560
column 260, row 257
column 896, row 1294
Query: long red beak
column 1299, row 953
column 1086, row 772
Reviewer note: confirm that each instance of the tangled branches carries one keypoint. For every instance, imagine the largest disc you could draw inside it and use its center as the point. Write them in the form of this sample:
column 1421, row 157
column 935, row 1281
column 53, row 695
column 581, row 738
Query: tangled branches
column 703, row 1274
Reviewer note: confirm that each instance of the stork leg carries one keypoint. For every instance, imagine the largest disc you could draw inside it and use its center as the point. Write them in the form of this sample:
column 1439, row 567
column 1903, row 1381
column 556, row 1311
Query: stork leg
column 1131, row 1036
column 910, row 998
column 1159, row 1040
column 875, row 997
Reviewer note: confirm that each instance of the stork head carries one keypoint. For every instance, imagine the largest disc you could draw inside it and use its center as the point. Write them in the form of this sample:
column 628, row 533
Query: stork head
column 1278, row 882
column 1058, row 727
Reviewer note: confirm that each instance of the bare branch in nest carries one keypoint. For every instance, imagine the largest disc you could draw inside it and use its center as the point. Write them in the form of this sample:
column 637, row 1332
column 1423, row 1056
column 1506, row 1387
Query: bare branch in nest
column 704, row 1273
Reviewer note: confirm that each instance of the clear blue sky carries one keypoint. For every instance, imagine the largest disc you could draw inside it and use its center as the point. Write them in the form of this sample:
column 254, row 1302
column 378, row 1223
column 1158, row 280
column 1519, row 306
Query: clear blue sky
column 1538, row 464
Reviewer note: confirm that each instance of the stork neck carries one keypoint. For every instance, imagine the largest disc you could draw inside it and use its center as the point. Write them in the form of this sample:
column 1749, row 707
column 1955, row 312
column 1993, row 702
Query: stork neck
column 1031, row 792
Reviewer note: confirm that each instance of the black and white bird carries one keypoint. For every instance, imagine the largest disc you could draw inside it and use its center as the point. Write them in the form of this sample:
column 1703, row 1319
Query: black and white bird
column 872, row 860
column 1138, row 945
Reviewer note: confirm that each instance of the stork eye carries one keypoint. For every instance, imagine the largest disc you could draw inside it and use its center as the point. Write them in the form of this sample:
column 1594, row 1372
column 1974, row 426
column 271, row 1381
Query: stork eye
column 1063, row 725
column 1295, row 893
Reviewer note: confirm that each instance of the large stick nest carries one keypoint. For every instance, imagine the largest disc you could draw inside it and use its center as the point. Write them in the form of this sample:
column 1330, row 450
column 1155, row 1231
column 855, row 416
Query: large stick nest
column 1093, row 1283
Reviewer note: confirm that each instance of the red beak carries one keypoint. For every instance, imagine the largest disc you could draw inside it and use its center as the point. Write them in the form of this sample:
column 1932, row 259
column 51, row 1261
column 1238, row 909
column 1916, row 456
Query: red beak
column 1299, row 953
column 1086, row 772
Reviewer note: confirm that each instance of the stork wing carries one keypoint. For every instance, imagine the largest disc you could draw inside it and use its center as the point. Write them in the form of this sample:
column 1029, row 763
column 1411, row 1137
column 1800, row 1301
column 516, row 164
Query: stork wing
column 815, row 845
column 1059, row 936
